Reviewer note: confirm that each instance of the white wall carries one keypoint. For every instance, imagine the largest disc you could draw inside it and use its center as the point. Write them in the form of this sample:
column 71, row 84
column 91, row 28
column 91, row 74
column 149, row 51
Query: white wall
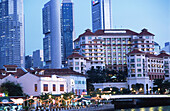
column 117, row 84
column 28, row 81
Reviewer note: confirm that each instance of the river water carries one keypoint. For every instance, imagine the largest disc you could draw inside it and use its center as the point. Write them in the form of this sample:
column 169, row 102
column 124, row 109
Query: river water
column 159, row 108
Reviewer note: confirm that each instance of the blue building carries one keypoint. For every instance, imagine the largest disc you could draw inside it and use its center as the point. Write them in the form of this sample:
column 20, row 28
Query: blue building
column 28, row 61
column 52, row 32
column 12, row 39
column 101, row 14
column 67, row 29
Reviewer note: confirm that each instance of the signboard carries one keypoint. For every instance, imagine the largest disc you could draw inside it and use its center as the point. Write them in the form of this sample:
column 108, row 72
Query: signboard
column 2, row 94
column 84, row 93
column 95, row 2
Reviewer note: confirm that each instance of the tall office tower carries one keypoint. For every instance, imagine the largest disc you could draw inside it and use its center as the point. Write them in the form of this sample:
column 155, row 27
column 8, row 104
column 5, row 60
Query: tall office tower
column 52, row 32
column 28, row 61
column 67, row 29
column 38, row 59
column 12, row 46
column 101, row 14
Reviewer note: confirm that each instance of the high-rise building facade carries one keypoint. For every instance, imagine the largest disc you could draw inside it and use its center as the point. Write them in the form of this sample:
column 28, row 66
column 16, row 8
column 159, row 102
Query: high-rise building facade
column 109, row 48
column 38, row 59
column 28, row 61
column 67, row 29
column 101, row 14
column 52, row 32
column 166, row 48
column 157, row 48
column 12, row 44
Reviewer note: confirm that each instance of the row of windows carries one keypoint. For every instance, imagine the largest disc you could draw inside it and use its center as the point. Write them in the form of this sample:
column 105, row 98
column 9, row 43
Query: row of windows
column 46, row 88
column 80, row 82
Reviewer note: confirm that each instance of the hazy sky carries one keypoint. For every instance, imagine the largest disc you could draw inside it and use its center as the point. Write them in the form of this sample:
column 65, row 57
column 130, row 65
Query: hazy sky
column 132, row 14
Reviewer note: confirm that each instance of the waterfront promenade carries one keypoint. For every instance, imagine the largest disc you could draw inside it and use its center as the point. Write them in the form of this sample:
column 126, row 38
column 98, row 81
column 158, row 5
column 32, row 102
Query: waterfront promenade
column 91, row 108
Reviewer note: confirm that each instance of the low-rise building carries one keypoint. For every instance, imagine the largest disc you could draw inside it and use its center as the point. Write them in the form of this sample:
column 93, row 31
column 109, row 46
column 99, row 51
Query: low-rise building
column 78, row 63
column 40, row 81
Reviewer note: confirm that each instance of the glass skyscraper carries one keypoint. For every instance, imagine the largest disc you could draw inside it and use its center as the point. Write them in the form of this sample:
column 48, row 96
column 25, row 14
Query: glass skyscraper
column 52, row 32
column 12, row 44
column 67, row 29
column 101, row 14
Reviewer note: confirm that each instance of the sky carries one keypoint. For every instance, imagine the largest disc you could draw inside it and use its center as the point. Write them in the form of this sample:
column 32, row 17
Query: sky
column 153, row 15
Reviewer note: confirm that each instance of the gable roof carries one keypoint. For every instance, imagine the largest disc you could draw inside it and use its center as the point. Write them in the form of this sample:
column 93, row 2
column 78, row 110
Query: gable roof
column 163, row 54
column 145, row 32
column 59, row 72
column 135, row 51
column 75, row 54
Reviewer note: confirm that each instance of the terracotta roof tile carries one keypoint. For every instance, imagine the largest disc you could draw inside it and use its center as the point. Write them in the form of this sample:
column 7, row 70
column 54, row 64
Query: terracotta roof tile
column 74, row 55
column 163, row 54
column 59, row 72
column 136, row 51
column 10, row 66
column 145, row 32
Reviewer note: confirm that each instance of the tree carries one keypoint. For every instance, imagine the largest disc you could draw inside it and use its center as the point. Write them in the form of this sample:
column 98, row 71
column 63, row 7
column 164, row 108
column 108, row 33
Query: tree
column 12, row 89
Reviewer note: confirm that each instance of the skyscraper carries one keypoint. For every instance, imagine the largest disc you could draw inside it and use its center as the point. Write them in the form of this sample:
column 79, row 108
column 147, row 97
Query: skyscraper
column 67, row 27
column 101, row 14
column 38, row 59
column 52, row 32
column 12, row 44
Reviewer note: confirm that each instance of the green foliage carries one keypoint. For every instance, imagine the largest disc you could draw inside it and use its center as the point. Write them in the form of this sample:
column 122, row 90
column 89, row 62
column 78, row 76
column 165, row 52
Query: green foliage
column 125, row 91
column 105, row 75
column 12, row 89
column 67, row 96
column 114, row 90
column 45, row 96
column 94, row 93
column 90, row 86
column 163, row 85
column 137, row 86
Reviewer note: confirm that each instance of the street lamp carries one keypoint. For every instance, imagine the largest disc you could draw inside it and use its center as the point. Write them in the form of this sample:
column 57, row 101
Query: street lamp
column 49, row 96
column 61, row 96
column 159, row 90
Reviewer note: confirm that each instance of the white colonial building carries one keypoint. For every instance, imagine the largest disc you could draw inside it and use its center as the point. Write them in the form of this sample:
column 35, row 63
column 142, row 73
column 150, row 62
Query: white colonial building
column 123, row 49
column 40, row 81
column 108, row 48
column 78, row 63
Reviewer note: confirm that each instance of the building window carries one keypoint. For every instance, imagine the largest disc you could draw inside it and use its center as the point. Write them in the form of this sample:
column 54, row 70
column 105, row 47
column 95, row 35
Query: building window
column 132, row 60
column 79, row 82
column 54, row 87
column 76, row 68
column 139, row 75
column 139, row 70
column 61, row 87
column 89, row 38
column 45, row 87
column 138, row 65
column 138, row 60
column 83, row 38
column 35, row 87
column 77, row 63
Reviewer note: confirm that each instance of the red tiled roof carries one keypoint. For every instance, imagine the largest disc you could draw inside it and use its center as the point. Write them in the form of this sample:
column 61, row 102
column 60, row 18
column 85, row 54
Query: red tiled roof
column 163, row 54
column 74, row 55
column 136, row 51
column 150, row 55
column 18, row 73
column 145, row 32
column 10, row 66
column 86, row 33
column 49, row 72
